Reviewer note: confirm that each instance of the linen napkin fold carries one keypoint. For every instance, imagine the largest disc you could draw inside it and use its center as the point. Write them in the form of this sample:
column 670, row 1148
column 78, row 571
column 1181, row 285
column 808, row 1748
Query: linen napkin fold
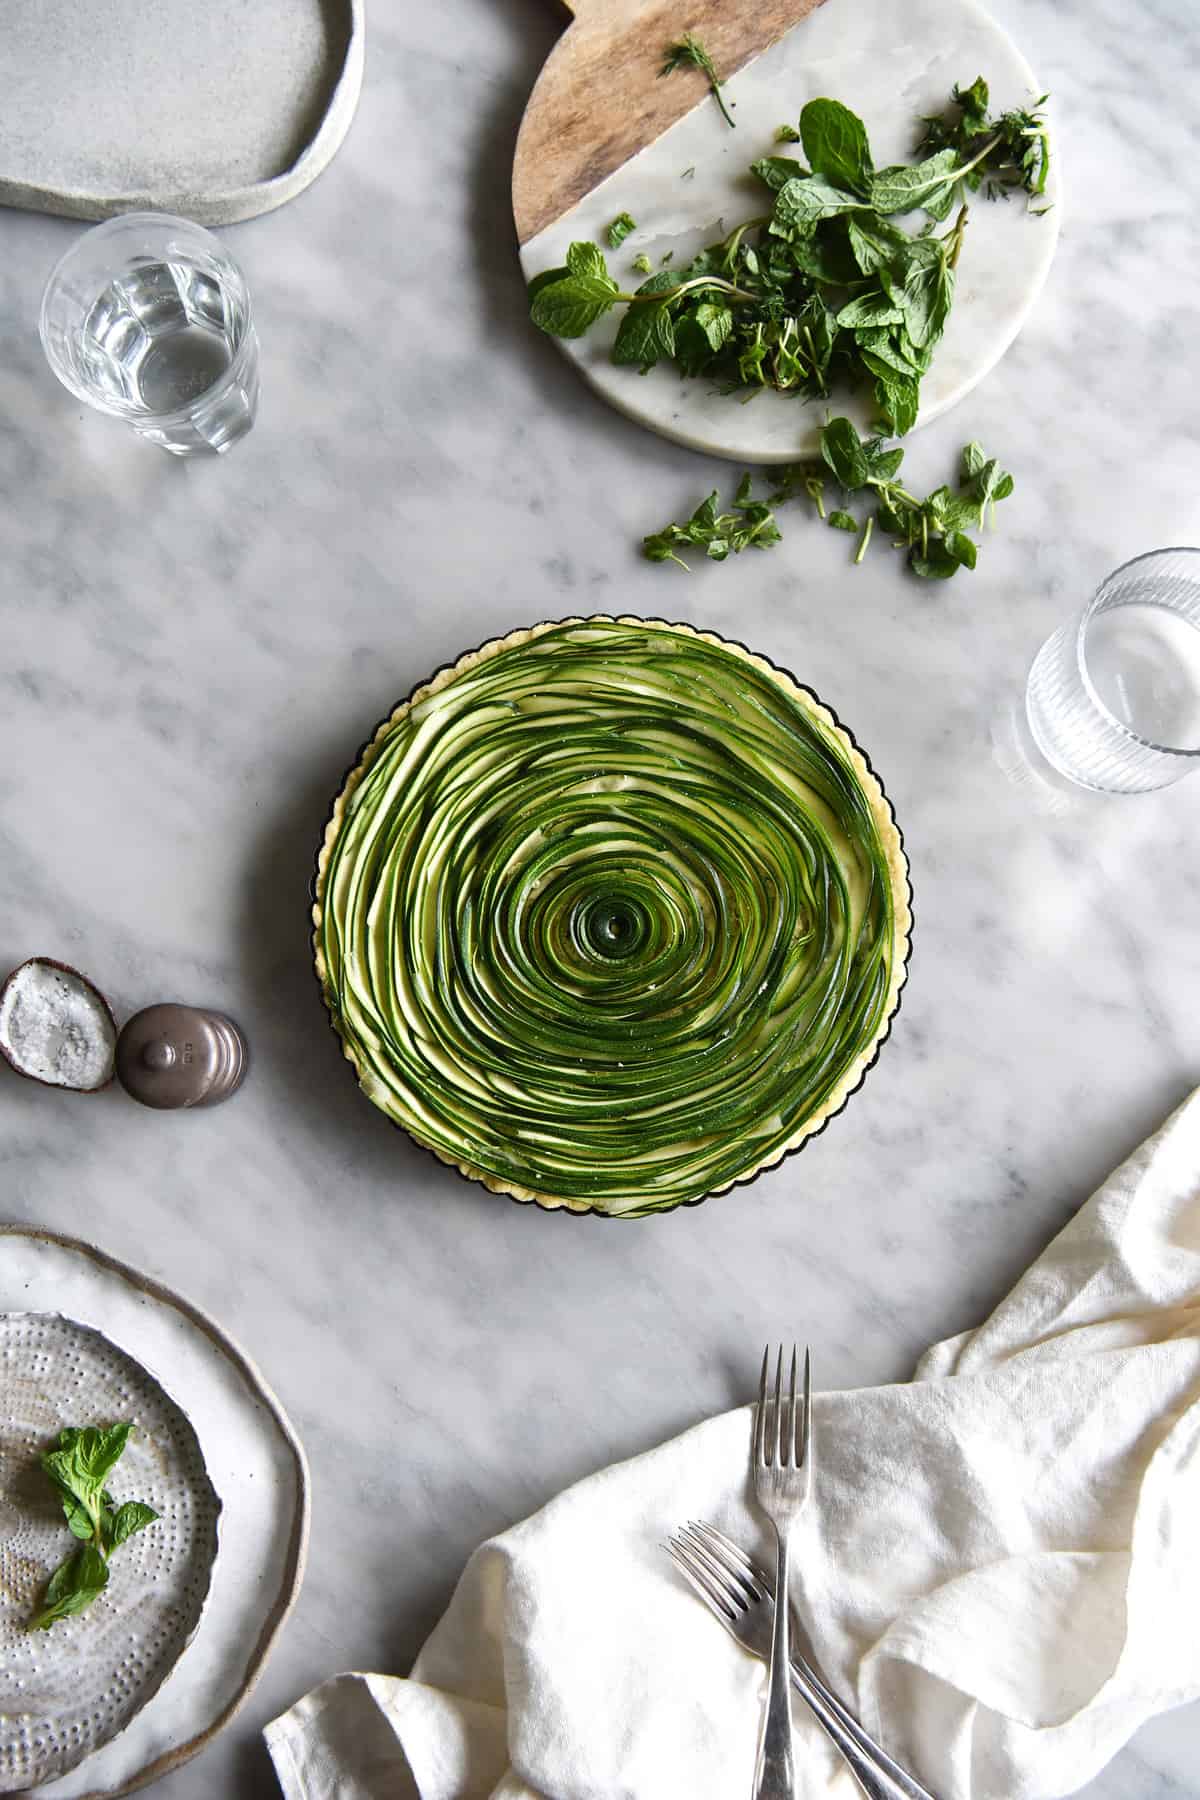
column 1001, row 1573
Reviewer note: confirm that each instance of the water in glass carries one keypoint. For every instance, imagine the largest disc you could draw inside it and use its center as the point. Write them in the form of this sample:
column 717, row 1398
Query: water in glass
column 159, row 336
column 148, row 316
column 1144, row 661
column 1113, row 698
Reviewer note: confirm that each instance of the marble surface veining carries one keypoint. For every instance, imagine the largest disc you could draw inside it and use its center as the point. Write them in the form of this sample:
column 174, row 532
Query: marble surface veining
column 192, row 654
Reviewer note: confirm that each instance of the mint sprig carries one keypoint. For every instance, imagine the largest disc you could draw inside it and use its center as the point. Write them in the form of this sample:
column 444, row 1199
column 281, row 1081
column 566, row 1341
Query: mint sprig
column 932, row 532
column 689, row 52
column 79, row 1467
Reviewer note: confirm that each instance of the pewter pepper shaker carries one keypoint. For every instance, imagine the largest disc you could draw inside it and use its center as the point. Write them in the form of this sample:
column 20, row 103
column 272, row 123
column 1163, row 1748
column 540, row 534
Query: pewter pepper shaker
column 172, row 1056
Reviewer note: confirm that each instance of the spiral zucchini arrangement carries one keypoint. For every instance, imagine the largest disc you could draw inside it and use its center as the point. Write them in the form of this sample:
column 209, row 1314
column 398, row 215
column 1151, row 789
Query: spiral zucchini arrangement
column 611, row 915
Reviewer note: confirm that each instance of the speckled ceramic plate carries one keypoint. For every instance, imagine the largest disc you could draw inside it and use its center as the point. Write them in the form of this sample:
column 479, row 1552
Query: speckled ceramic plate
column 66, row 1691
column 106, row 1702
column 214, row 112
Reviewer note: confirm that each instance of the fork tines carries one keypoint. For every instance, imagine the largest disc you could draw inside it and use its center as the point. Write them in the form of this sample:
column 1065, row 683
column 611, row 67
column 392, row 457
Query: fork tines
column 782, row 1427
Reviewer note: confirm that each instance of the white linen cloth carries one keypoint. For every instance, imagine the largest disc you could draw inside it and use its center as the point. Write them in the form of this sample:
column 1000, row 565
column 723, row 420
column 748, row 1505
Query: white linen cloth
column 1000, row 1573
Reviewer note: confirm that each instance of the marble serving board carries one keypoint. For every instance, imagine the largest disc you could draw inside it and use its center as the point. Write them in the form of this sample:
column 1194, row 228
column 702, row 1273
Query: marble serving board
column 890, row 63
column 218, row 112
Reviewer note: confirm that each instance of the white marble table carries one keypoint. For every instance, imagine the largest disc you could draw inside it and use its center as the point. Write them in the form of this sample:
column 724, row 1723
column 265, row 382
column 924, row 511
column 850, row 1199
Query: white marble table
column 191, row 655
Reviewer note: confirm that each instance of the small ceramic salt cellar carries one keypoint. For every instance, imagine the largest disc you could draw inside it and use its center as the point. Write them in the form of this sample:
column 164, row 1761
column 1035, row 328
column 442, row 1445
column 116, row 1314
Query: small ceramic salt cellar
column 172, row 1056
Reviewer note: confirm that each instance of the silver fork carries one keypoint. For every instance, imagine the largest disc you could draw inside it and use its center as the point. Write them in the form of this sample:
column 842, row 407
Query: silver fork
column 738, row 1592
column 782, row 1463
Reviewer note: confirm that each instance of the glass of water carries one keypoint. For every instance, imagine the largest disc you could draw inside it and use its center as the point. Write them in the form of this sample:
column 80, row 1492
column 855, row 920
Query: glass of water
column 148, row 317
column 1113, row 699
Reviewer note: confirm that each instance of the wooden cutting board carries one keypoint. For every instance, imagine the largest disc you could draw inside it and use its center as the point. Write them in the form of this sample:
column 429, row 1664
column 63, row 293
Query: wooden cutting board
column 599, row 99
column 603, row 134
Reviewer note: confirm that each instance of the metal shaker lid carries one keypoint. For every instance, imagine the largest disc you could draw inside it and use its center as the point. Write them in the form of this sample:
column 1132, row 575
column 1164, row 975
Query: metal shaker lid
column 172, row 1056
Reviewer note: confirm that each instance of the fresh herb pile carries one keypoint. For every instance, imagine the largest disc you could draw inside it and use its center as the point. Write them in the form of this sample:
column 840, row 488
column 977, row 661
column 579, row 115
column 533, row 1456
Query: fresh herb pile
column 79, row 1467
column 824, row 286
column 932, row 532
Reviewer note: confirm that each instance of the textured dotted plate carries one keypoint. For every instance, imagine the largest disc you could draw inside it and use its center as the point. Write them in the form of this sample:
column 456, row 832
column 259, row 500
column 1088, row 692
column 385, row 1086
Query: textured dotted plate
column 66, row 1691
column 60, row 1358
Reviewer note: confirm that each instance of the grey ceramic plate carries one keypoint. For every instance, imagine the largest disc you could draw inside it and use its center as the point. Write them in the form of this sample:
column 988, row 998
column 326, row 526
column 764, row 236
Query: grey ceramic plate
column 66, row 1691
column 254, row 1462
column 212, row 112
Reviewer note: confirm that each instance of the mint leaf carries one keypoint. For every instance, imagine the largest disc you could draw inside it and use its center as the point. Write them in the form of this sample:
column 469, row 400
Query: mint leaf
column 935, row 563
column 870, row 309
column 619, row 230
column 774, row 171
column 908, row 185
column 716, row 322
column 586, row 260
column 568, row 308
column 803, row 203
column 79, row 1519
column 835, row 143
column 973, row 459
column 884, row 355
column 646, row 333
column 842, row 521
column 547, row 278
column 873, row 242
column 961, row 548
column 133, row 1516
column 927, row 293
column 72, row 1587
column 81, row 1462
column 843, row 450
column 983, row 482
column 898, row 399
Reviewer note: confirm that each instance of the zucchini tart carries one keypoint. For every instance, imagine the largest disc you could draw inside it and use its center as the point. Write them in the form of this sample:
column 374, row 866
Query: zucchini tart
column 611, row 915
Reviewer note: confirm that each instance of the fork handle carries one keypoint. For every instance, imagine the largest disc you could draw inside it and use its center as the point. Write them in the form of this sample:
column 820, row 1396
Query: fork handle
column 879, row 1777
column 774, row 1777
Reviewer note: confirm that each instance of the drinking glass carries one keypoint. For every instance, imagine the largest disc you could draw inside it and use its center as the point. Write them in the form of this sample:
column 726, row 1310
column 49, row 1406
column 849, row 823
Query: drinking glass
column 1113, row 698
column 148, row 317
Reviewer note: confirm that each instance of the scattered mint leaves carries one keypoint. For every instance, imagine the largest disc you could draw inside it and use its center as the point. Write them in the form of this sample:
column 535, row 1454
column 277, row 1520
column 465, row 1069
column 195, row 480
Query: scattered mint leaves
column 824, row 286
column 786, row 134
column 619, row 230
column 642, row 264
column 689, row 52
column 932, row 532
column 79, row 1467
column 750, row 524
